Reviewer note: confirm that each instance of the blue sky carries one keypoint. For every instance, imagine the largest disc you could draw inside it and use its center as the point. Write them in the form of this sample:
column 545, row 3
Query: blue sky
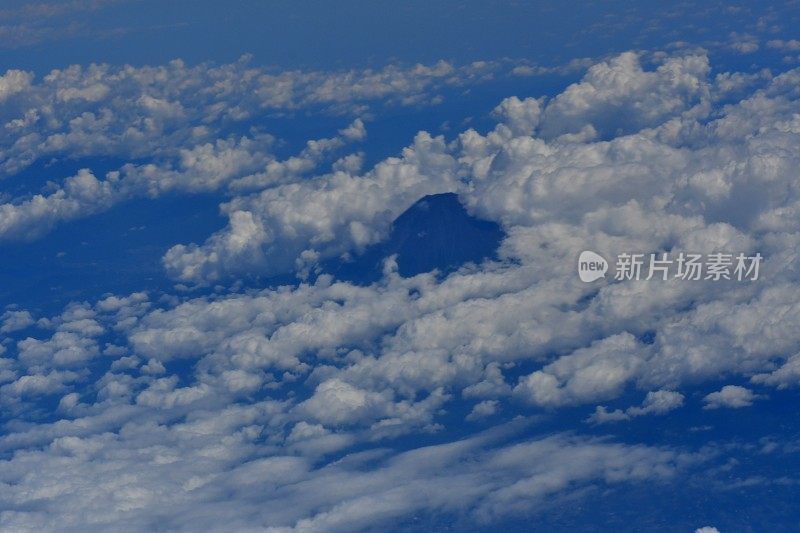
column 310, row 34
column 305, row 266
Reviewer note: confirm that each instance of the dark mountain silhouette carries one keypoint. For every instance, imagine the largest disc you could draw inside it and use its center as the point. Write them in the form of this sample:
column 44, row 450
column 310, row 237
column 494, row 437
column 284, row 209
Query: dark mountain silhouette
column 436, row 233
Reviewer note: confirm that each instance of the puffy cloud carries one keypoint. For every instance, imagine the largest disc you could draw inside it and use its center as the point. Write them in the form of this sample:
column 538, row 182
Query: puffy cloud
column 656, row 402
column 336, row 402
column 186, row 122
column 272, row 231
column 521, row 116
column 241, row 164
column 732, row 396
column 14, row 82
column 15, row 320
column 499, row 164
column 618, row 96
column 223, row 398
column 787, row 375
column 82, row 194
column 594, row 373
column 63, row 349
column 135, row 112
column 483, row 409
column 37, row 385
column 554, row 195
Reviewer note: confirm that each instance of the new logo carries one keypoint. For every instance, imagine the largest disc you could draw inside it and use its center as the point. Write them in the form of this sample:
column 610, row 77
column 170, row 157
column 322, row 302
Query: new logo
column 591, row 266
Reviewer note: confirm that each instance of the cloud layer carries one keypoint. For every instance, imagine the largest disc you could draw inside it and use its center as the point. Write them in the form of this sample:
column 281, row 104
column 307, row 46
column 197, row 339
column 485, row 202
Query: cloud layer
column 185, row 412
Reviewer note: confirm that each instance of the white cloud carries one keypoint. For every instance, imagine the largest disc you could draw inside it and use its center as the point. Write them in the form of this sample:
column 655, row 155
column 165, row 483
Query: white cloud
column 743, row 43
column 789, row 45
column 15, row 320
column 594, row 373
column 329, row 215
column 241, row 164
column 732, row 396
column 619, row 97
column 628, row 159
column 335, row 402
column 83, row 194
column 483, row 409
column 558, row 195
column 181, row 120
column 14, row 82
column 656, row 402
column 136, row 112
column 202, row 482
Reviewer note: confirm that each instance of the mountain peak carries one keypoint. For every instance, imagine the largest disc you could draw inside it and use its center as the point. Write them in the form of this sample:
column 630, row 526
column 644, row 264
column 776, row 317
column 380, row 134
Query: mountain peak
column 435, row 233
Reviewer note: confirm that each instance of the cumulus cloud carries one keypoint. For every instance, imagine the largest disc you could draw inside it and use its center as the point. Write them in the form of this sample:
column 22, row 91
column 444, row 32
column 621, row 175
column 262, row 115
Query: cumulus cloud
column 483, row 409
column 597, row 372
column 135, row 112
column 787, row 375
column 519, row 178
column 732, row 396
column 605, row 196
column 15, row 320
column 271, row 390
column 186, row 122
column 272, row 231
column 656, row 402
column 14, row 82
column 241, row 164
column 618, row 96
